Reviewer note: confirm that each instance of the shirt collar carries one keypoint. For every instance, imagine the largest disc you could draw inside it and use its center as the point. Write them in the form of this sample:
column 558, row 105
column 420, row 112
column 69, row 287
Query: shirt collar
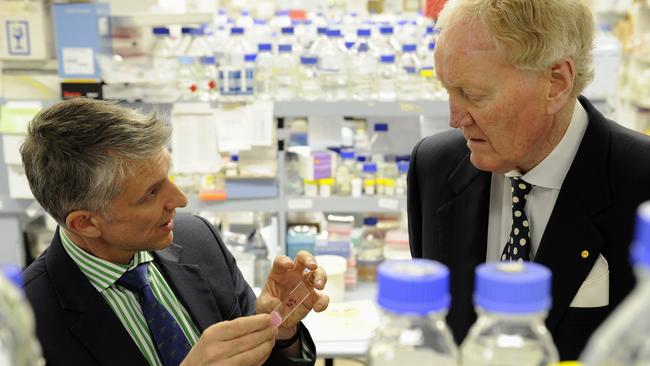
column 550, row 172
column 101, row 273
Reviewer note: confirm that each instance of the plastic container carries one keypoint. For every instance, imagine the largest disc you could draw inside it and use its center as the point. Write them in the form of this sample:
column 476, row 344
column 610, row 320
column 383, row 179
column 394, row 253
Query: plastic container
column 371, row 250
column 511, row 300
column 413, row 296
column 335, row 266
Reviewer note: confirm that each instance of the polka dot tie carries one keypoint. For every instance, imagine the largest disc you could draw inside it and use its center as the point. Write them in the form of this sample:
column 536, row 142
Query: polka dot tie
column 518, row 246
column 170, row 340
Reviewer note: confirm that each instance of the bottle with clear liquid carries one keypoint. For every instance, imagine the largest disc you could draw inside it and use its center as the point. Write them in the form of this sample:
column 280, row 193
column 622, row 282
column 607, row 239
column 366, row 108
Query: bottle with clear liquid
column 232, row 167
column 371, row 250
column 187, row 81
column 363, row 66
column 400, row 184
column 623, row 338
column 264, row 72
column 248, row 78
column 308, row 80
column 232, row 70
column 288, row 37
column 318, row 43
column 413, row 296
column 345, row 171
column 206, row 74
column 369, row 177
column 332, row 67
column 510, row 329
column 186, row 38
column 409, row 81
column 258, row 246
column 386, row 44
column 387, row 72
column 285, row 73
column 199, row 45
column 381, row 148
column 163, row 60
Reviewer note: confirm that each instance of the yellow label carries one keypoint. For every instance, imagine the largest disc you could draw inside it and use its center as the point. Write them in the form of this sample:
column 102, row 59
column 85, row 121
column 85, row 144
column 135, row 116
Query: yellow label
column 310, row 181
column 388, row 182
column 326, row 181
column 368, row 182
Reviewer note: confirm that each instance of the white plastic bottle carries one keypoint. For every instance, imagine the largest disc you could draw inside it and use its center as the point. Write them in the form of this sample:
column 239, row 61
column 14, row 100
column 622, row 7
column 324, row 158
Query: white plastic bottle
column 511, row 300
column 623, row 338
column 310, row 88
column 387, row 71
column 413, row 296
column 285, row 73
column 345, row 171
column 264, row 72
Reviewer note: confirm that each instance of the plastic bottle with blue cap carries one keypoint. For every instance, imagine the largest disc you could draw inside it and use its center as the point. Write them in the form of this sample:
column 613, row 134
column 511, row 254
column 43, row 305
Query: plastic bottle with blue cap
column 285, row 74
column 413, row 296
column 309, row 84
column 512, row 300
column 623, row 338
column 371, row 249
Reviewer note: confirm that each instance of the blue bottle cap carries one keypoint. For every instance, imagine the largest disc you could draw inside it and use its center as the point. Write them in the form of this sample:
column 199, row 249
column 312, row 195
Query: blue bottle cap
column 321, row 30
column 334, row 33
column 408, row 48
column 432, row 46
column 369, row 168
column 250, row 57
column 370, row 221
column 363, row 32
column 361, row 158
column 197, row 31
column 236, row 30
column 513, row 287
column 161, row 31
column 418, row 286
column 347, row 154
column 381, row 127
column 258, row 21
column 430, row 29
column 386, row 29
column 14, row 273
column 403, row 166
column 308, row 60
column 234, row 157
column 185, row 60
column 287, row 30
column 284, row 48
column 641, row 242
column 387, row 59
column 349, row 45
column 208, row 60
column 186, row 30
column 264, row 47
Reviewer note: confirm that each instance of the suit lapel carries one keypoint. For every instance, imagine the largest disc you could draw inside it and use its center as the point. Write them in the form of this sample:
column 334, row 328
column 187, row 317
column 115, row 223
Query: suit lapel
column 571, row 234
column 463, row 236
column 93, row 323
column 191, row 288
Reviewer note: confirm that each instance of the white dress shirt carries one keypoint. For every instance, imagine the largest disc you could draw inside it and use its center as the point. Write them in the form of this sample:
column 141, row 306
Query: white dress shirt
column 546, row 178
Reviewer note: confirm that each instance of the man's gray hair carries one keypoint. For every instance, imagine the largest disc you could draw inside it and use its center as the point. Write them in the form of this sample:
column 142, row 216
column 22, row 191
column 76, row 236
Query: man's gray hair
column 78, row 153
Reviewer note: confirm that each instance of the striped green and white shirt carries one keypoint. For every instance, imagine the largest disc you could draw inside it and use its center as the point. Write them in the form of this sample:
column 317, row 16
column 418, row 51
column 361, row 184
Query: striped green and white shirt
column 103, row 274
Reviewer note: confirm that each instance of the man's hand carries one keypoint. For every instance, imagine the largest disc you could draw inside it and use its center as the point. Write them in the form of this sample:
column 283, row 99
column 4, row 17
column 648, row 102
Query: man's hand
column 284, row 276
column 245, row 341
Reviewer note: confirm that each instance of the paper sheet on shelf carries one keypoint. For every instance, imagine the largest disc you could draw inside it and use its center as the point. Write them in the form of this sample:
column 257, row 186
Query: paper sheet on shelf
column 260, row 115
column 344, row 322
column 324, row 131
column 18, row 185
column 234, row 129
column 11, row 149
column 194, row 143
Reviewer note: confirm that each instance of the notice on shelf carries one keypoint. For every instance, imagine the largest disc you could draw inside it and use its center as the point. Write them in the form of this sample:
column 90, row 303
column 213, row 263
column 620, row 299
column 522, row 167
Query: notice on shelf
column 18, row 185
column 260, row 116
column 194, row 143
column 300, row 203
column 11, row 149
column 78, row 61
column 234, row 129
column 15, row 116
column 388, row 203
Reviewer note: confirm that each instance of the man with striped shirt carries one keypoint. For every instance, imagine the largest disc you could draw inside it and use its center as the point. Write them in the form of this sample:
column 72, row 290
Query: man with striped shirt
column 125, row 281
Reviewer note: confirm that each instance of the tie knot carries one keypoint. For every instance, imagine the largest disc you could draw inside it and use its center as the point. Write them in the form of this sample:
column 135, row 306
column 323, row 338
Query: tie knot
column 520, row 187
column 135, row 279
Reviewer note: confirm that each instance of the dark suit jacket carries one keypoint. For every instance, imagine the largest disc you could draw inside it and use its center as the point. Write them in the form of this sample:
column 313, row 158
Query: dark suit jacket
column 77, row 327
column 448, row 204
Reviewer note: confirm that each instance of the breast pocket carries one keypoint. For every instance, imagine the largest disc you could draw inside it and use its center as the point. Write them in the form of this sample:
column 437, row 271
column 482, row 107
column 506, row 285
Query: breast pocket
column 594, row 291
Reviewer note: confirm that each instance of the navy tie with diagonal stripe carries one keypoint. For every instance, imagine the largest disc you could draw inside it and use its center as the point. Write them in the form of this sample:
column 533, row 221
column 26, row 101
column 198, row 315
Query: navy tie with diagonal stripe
column 171, row 342
column 518, row 246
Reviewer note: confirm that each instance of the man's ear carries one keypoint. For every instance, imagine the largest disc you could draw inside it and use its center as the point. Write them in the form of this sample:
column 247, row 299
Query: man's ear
column 84, row 223
column 561, row 77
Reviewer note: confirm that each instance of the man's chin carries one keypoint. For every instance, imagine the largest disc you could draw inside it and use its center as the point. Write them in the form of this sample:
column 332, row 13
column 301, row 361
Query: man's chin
column 487, row 165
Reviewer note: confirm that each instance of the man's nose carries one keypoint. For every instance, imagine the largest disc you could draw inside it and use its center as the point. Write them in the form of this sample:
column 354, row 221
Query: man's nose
column 458, row 116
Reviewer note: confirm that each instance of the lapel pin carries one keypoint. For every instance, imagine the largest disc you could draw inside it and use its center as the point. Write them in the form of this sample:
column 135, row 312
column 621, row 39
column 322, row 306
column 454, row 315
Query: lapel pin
column 584, row 254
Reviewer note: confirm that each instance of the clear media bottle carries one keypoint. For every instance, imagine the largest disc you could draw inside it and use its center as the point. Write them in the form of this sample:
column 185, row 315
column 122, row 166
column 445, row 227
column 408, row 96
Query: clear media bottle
column 308, row 81
column 511, row 300
column 369, row 178
column 344, row 173
column 206, row 79
column 332, row 67
column 284, row 72
column 409, row 81
column 400, row 185
column 387, row 72
column 623, row 337
column 371, row 249
column 363, row 68
column 413, row 296
column 187, row 81
column 264, row 72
